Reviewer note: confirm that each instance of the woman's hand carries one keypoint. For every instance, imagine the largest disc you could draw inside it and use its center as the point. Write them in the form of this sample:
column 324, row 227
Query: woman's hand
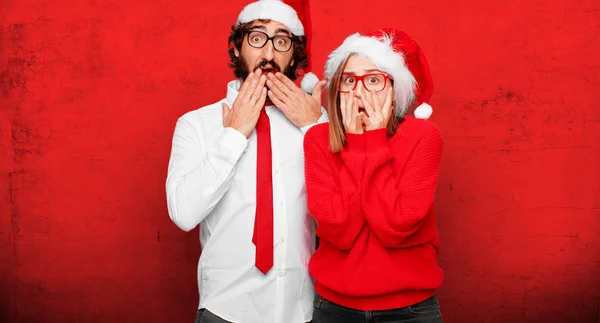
column 378, row 114
column 351, row 118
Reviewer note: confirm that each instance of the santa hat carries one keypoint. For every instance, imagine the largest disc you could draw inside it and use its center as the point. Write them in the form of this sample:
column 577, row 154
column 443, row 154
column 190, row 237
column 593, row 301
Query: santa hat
column 395, row 53
column 295, row 15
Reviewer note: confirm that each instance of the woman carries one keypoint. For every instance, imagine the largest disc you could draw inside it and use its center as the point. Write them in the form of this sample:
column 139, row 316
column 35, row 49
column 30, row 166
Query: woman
column 371, row 175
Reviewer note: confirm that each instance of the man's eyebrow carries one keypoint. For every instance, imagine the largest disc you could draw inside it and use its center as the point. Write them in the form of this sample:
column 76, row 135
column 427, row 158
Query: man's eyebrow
column 282, row 30
column 278, row 31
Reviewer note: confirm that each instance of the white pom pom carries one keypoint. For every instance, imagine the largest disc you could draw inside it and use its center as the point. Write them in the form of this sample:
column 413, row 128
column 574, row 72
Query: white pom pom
column 308, row 82
column 423, row 111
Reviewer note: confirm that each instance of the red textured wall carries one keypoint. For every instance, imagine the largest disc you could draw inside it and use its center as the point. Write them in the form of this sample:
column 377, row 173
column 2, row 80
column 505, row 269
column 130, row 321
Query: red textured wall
column 91, row 91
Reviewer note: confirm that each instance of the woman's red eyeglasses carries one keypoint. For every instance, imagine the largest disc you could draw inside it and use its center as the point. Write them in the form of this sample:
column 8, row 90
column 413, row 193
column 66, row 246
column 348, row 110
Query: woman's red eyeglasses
column 373, row 82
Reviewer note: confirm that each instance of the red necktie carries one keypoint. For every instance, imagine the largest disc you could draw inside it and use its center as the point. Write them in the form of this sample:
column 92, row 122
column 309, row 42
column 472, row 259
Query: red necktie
column 263, row 222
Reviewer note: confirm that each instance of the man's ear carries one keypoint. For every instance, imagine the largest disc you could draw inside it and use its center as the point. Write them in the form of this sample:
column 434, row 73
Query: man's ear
column 292, row 62
column 236, row 52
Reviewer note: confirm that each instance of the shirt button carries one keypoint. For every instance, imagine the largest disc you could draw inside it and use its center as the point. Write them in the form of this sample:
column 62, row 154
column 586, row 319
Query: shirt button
column 281, row 272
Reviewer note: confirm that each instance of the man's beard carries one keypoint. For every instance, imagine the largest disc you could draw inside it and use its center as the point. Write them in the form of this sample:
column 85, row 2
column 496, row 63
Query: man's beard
column 274, row 68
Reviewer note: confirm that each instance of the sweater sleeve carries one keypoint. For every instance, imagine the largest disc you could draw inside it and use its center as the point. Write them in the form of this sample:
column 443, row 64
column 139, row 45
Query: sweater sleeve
column 200, row 172
column 333, row 192
column 395, row 204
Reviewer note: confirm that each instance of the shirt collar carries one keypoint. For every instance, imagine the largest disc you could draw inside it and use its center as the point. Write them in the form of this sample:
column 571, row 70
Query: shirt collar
column 232, row 91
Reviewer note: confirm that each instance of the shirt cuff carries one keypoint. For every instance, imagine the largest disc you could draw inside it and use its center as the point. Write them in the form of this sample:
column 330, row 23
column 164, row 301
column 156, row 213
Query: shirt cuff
column 306, row 128
column 322, row 119
column 233, row 141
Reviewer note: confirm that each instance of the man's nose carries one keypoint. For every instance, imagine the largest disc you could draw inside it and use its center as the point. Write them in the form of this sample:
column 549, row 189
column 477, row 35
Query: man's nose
column 268, row 52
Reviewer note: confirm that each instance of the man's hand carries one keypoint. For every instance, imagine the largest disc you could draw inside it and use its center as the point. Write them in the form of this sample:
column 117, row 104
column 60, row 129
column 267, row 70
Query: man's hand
column 378, row 113
column 351, row 118
column 245, row 111
column 298, row 106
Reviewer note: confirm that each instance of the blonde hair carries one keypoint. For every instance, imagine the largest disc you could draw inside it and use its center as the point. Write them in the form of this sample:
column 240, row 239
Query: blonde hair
column 337, row 131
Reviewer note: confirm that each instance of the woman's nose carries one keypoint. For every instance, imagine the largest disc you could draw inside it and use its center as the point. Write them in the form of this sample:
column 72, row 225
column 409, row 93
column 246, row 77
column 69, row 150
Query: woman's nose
column 359, row 89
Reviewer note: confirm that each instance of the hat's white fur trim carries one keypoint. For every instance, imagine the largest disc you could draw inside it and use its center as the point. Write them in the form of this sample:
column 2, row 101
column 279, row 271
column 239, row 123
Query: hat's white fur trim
column 309, row 80
column 423, row 111
column 274, row 10
column 380, row 51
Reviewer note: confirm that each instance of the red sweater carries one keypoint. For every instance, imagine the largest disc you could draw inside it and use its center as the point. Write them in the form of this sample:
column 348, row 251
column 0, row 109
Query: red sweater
column 373, row 204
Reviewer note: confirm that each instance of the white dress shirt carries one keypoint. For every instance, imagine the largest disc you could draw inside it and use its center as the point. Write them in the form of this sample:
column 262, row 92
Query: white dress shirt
column 212, row 182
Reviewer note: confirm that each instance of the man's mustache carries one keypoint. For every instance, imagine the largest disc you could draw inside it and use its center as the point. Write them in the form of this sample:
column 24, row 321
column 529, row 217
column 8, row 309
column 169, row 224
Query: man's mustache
column 264, row 63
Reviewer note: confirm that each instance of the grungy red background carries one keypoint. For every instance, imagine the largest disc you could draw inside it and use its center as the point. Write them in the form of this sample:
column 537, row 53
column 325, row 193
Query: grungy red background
column 91, row 91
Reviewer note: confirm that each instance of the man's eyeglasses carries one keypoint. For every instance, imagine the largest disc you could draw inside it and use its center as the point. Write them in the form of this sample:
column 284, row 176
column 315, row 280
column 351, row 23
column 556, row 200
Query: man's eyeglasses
column 258, row 39
column 374, row 82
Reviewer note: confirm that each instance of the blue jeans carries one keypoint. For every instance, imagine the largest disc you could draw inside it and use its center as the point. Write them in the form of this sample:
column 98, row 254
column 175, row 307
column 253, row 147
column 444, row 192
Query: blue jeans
column 427, row 311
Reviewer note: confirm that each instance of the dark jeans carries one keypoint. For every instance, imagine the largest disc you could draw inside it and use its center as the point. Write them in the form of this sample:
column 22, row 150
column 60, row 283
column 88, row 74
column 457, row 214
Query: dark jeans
column 205, row 316
column 427, row 311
